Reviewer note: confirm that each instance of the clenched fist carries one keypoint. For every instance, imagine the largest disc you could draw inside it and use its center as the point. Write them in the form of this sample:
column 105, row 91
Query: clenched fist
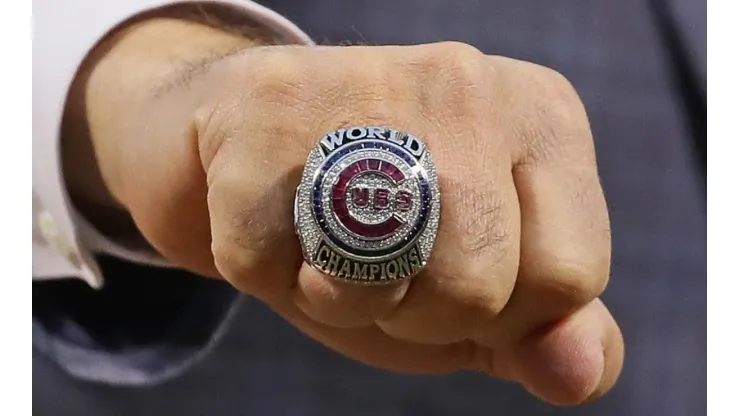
column 203, row 143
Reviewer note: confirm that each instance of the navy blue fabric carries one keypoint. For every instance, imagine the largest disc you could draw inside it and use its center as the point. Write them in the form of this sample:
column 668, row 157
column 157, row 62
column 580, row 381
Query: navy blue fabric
column 146, row 324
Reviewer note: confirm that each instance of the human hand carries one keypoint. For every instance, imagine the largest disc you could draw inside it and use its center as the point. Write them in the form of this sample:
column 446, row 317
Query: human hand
column 207, row 165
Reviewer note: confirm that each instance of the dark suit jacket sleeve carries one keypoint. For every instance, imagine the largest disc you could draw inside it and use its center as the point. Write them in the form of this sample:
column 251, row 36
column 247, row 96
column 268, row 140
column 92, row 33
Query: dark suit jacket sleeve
column 144, row 326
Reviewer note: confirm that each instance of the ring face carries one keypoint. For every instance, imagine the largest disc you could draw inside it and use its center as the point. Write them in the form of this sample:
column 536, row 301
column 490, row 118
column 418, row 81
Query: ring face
column 367, row 207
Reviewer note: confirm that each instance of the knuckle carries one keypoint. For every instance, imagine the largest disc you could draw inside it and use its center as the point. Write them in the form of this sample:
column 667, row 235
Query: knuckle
column 212, row 124
column 456, row 83
column 484, row 307
column 250, row 223
column 237, row 265
column 558, row 83
column 232, row 242
column 456, row 53
column 258, row 223
column 278, row 77
column 477, row 298
column 244, row 252
column 461, row 65
column 577, row 283
column 553, row 119
column 559, row 103
column 452, row 63
column 229, row 260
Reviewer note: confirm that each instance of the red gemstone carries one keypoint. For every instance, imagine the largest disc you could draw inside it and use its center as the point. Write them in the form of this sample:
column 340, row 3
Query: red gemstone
column 380, row 198
column 354, row 169
column 338, row 192
column 360, row 197
column 403, row 201
column 392, row 171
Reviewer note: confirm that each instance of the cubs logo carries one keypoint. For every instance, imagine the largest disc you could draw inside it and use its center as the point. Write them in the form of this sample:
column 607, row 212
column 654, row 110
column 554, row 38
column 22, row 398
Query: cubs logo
column 371, row 199
column 354, row 207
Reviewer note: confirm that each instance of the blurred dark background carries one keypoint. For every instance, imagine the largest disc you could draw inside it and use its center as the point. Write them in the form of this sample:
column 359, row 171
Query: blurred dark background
column 640, row 68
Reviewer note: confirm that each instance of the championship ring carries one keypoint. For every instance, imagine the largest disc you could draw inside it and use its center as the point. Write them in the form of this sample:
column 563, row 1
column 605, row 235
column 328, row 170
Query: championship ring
column 367, row 207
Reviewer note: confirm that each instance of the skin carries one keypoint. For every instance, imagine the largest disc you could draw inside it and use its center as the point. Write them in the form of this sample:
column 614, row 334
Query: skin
column 201, row 144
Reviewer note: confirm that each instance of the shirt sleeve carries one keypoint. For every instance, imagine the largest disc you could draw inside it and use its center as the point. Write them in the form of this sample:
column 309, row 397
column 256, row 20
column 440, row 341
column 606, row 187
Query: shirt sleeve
column 64, row 243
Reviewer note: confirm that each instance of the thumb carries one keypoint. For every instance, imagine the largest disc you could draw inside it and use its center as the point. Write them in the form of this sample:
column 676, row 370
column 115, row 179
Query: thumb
column 574, row 361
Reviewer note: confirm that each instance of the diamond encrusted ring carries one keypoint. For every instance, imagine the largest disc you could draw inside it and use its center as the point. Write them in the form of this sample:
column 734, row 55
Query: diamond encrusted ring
column 367, row 207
